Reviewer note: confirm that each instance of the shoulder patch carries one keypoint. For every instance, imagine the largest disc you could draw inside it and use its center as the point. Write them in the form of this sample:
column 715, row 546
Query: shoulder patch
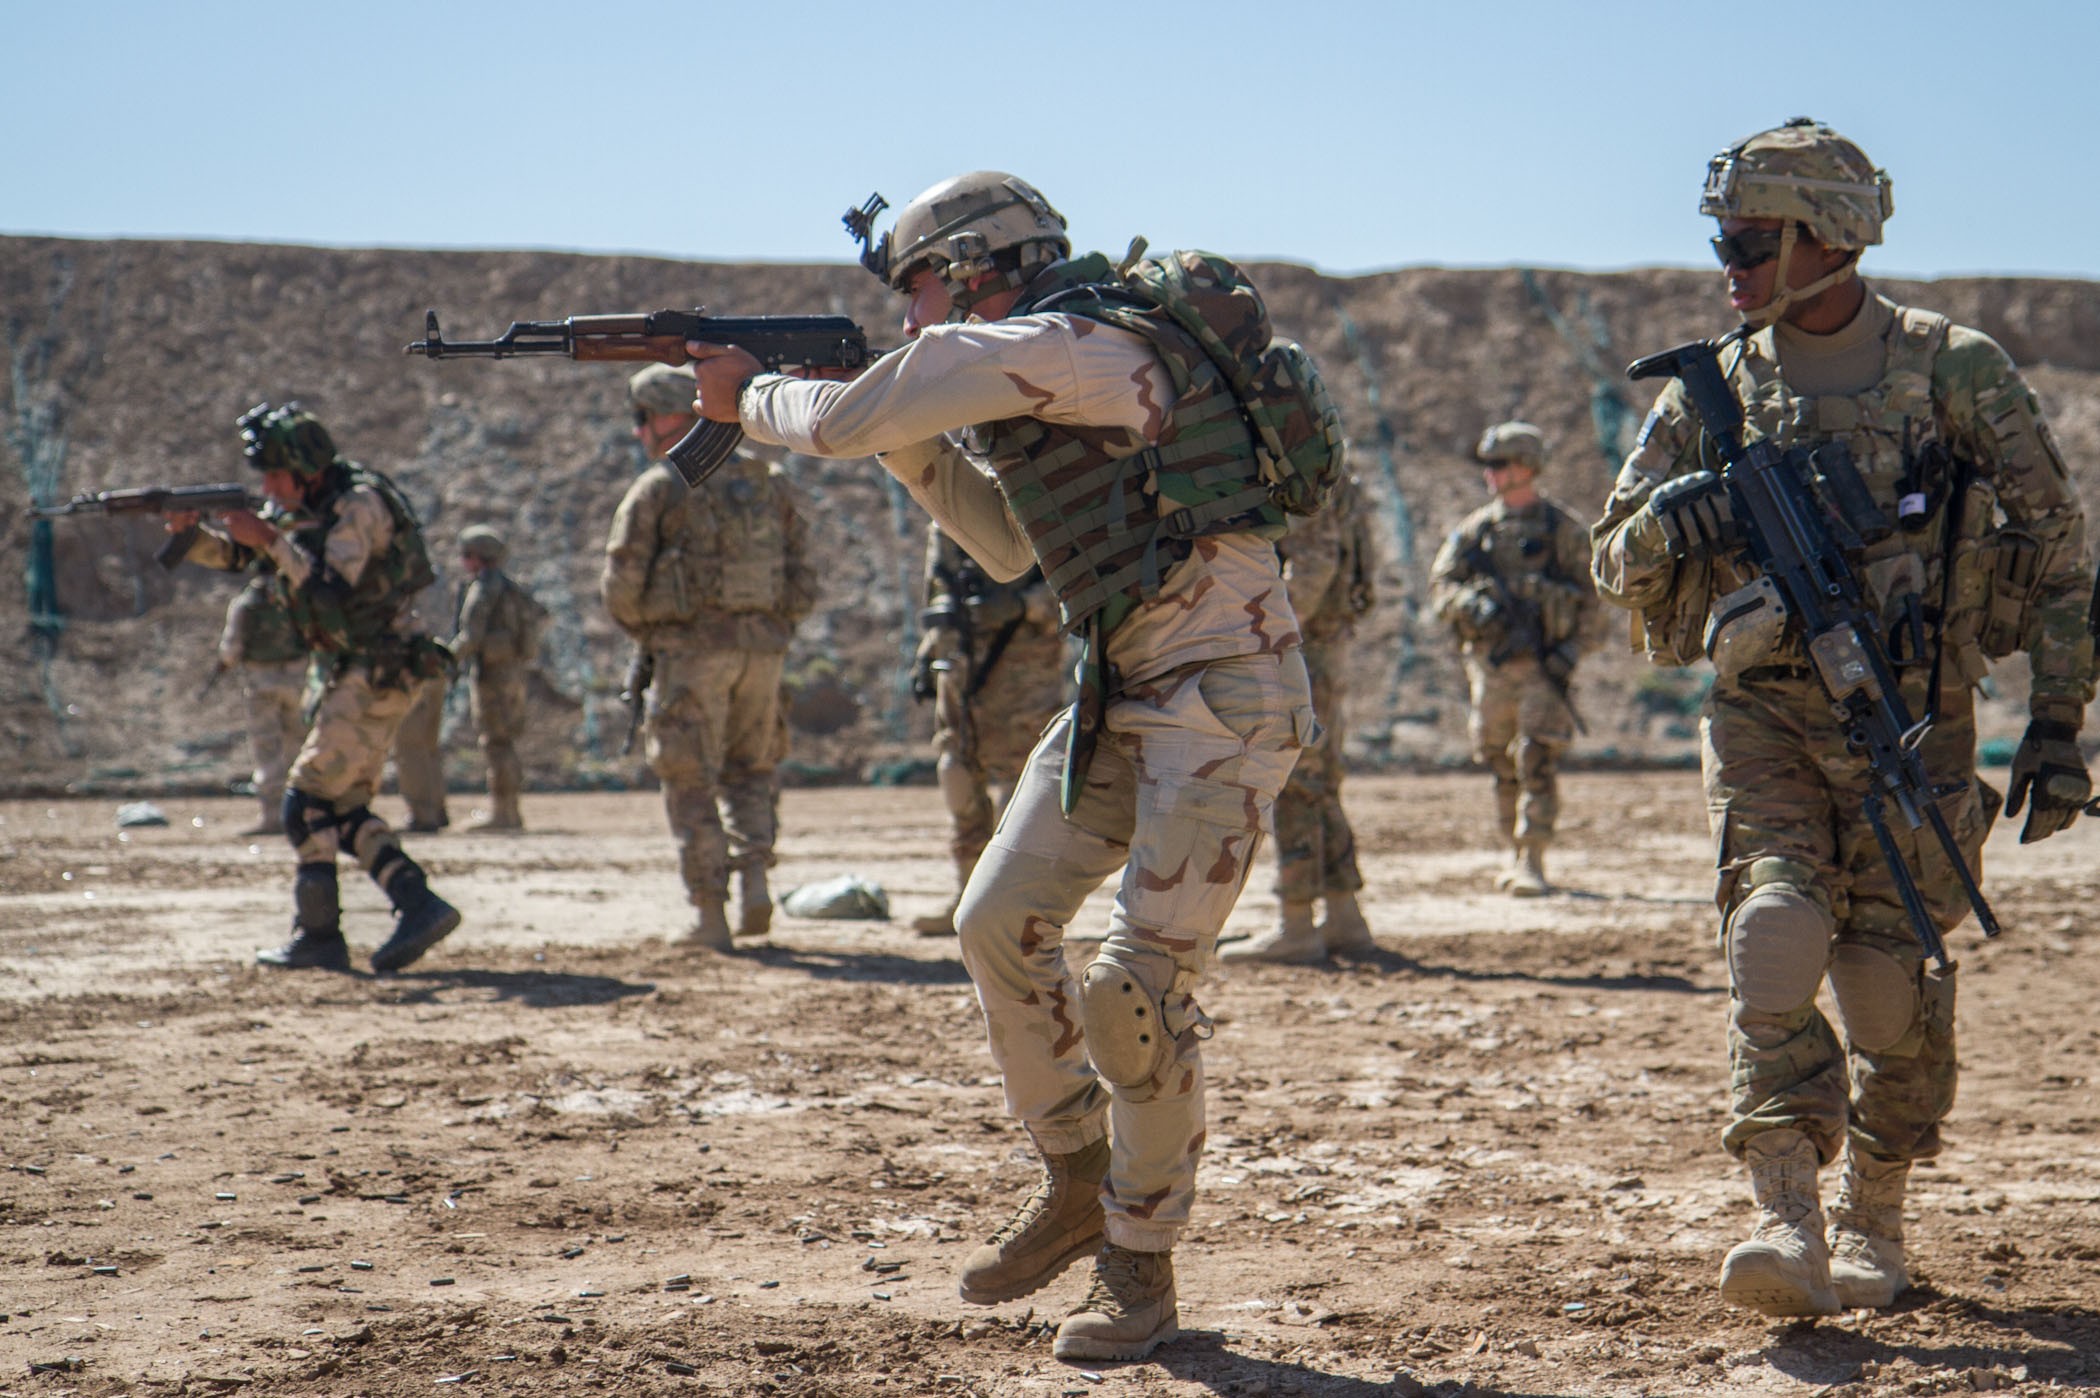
column 1648, row 426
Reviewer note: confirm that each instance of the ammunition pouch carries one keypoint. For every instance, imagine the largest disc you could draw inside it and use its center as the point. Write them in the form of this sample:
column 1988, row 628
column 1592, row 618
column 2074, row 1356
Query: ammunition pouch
column 2018, row 562
column 401, row 662
column 1747, row 628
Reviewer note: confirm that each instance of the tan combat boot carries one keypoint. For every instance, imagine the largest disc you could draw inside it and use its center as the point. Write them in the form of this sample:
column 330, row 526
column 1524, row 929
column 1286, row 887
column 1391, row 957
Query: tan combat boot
column 940, row 924
column 1527, row 875
column 1866, row 1231
column 1345, row 930
column 754, row 907
column 1056, row 1225
column 709, row 931
column 1291, row 942
column 1129, row 1310
column 1784, row 1268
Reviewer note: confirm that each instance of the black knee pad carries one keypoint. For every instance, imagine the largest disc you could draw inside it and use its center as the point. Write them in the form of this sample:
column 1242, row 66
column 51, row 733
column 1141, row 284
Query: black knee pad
column 305, row 815
column 315, row 898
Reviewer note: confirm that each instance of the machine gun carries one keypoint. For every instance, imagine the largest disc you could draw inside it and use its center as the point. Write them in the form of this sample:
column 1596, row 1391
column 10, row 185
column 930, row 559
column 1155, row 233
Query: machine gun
column 1796, row 538
column 159, row 500
column 810, row 342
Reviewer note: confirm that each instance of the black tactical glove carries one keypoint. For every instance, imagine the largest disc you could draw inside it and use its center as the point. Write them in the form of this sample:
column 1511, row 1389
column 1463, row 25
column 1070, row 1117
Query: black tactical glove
column 1695, row 514
column 1482, row 614
column 2050, row 767
column 1558, row 664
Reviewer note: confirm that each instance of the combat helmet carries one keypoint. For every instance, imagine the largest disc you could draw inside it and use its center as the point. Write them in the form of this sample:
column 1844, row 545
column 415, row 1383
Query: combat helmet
column 480, row 541
column 1507, row 442
column 287, row 438
column 983, row 224
column 663, row 388
column 1807, row 175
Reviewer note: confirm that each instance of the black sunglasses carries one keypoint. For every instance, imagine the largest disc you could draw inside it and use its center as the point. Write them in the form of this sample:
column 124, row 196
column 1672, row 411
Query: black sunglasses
column 1752, row 247
column 641, row 417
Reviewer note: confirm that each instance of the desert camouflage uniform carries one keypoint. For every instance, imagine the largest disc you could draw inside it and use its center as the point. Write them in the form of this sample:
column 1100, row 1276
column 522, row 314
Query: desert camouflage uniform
column 491, row 637
column 1330, row 560
column 712, row 583
column 1519, row 721
column 999, row 666
column 260, row 641
column 419, row 755
column 1207, row 707
column 1784, row 795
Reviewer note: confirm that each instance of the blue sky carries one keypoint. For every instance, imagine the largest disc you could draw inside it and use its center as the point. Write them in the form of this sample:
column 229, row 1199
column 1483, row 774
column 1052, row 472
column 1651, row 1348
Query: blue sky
column 1351, row 136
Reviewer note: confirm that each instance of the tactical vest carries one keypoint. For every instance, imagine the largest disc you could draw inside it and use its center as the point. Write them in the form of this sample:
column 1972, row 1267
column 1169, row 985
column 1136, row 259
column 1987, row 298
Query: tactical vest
column 724, row 549
column 1106, row 514
column 1521, row 546
column 267, row 634
column 360, row 622
column 1898, row 440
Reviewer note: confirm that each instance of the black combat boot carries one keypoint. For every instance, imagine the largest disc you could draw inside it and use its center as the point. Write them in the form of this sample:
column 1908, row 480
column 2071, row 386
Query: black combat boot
column 317, row 929
column 421, row 918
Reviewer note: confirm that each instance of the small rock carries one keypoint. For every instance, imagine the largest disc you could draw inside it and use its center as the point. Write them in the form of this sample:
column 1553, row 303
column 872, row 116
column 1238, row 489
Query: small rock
column 138, row 813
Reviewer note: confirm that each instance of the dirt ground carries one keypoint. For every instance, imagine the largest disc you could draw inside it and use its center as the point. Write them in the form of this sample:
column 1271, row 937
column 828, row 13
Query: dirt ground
column 558, row 1156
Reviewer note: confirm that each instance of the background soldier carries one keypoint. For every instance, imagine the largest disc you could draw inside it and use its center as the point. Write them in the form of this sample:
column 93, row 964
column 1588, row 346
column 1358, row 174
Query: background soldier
column 260, row 642
column 1193, row 703
column 711, row 583
column 1512, row 582
column 1330, row 561
column 348, row 558
column 494, row 640
column 1945, row 436
column 419, row 749
column 993, row 661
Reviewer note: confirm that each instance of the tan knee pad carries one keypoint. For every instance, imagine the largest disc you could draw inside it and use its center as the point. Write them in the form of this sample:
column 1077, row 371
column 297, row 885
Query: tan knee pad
column 1778, row 937
column 1121, row 1004
column 1877, row 996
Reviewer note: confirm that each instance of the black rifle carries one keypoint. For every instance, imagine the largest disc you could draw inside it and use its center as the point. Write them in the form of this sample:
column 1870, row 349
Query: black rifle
column 159, row 500
column 1523, row 631
column 811, row 342
column 1796, row 538
column 634, row 691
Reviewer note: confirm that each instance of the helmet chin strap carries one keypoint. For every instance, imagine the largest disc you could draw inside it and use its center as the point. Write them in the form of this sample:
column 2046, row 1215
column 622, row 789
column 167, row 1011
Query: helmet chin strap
column 1783, row 295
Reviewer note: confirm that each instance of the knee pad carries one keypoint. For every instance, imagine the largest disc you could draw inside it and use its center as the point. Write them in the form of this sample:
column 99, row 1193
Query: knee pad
column 1121, row 1006
column 306, row 816
column 1778, row 937
column 315, row 900
column 1877, row 996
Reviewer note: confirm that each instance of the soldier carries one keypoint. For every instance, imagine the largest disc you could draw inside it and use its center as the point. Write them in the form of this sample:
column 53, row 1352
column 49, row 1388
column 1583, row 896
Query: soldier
column 348, row 558
column 260, row 641
column 419, row 756
column 711, row 583
column 1330, row 562
column 1193, row 702
column 993, row 661
column 1947, row 438
column 1512, row 582
column 494, row 639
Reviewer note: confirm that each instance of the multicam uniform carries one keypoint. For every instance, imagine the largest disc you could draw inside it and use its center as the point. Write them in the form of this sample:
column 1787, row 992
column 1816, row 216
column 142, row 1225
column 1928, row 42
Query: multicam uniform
column 1206, row 708
column 1937, row 413
column 712, row 583
column 998, row 659
column 419, row 752
column 347, row 568
column 493, row 641
column 260, row 641
column 1534, row 559
column 1330, row 560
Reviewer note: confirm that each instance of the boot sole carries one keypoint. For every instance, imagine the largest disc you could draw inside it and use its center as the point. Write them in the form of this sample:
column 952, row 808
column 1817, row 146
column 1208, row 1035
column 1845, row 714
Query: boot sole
column 1086, row 1347
column 391, row 958
column 1755, row 1284
column 983, row 1296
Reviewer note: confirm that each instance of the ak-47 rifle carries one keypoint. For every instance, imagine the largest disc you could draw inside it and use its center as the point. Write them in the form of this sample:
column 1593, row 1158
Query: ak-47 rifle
column 1796, row 536
column 777, row 342
column 634, row 693
column 159, row 500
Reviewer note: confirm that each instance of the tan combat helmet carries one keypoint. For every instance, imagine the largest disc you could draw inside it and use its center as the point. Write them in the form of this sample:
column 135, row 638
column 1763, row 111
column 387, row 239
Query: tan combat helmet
column 663, row 388
column 985, row 223
column 480, row 541
column 1807, row 175
column 1508, row 442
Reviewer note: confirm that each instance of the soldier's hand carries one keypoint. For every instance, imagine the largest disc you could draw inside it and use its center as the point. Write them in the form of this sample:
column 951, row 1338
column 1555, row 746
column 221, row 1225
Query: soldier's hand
column 248, row 528
column 719, row 372
column 1482, row 612
column 176, row 521
column 1694, row 513
column 2049, row 778
column 1558, row 664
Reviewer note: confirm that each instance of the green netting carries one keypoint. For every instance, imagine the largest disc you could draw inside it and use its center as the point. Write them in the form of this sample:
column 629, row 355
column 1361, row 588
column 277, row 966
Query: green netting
column 1611, row 416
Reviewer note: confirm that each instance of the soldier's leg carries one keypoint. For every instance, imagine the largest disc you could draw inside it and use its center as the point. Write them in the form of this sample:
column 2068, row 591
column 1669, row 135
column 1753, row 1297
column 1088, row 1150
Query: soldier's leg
column 682, row 738
column 964, row 791
column 272, row 696
column 750, row 750
column 1301, row 858
column 1491, row 724
column 1545, row 727
column 497, row 697
column 419, row 761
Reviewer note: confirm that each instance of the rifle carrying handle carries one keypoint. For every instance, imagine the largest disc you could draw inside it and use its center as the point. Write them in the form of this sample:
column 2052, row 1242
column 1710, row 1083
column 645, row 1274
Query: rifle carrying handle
column 701, row 452
column 170, row 554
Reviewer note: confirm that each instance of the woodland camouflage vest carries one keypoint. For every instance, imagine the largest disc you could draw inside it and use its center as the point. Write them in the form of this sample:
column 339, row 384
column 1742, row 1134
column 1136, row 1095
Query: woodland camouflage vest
column 360, row 622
